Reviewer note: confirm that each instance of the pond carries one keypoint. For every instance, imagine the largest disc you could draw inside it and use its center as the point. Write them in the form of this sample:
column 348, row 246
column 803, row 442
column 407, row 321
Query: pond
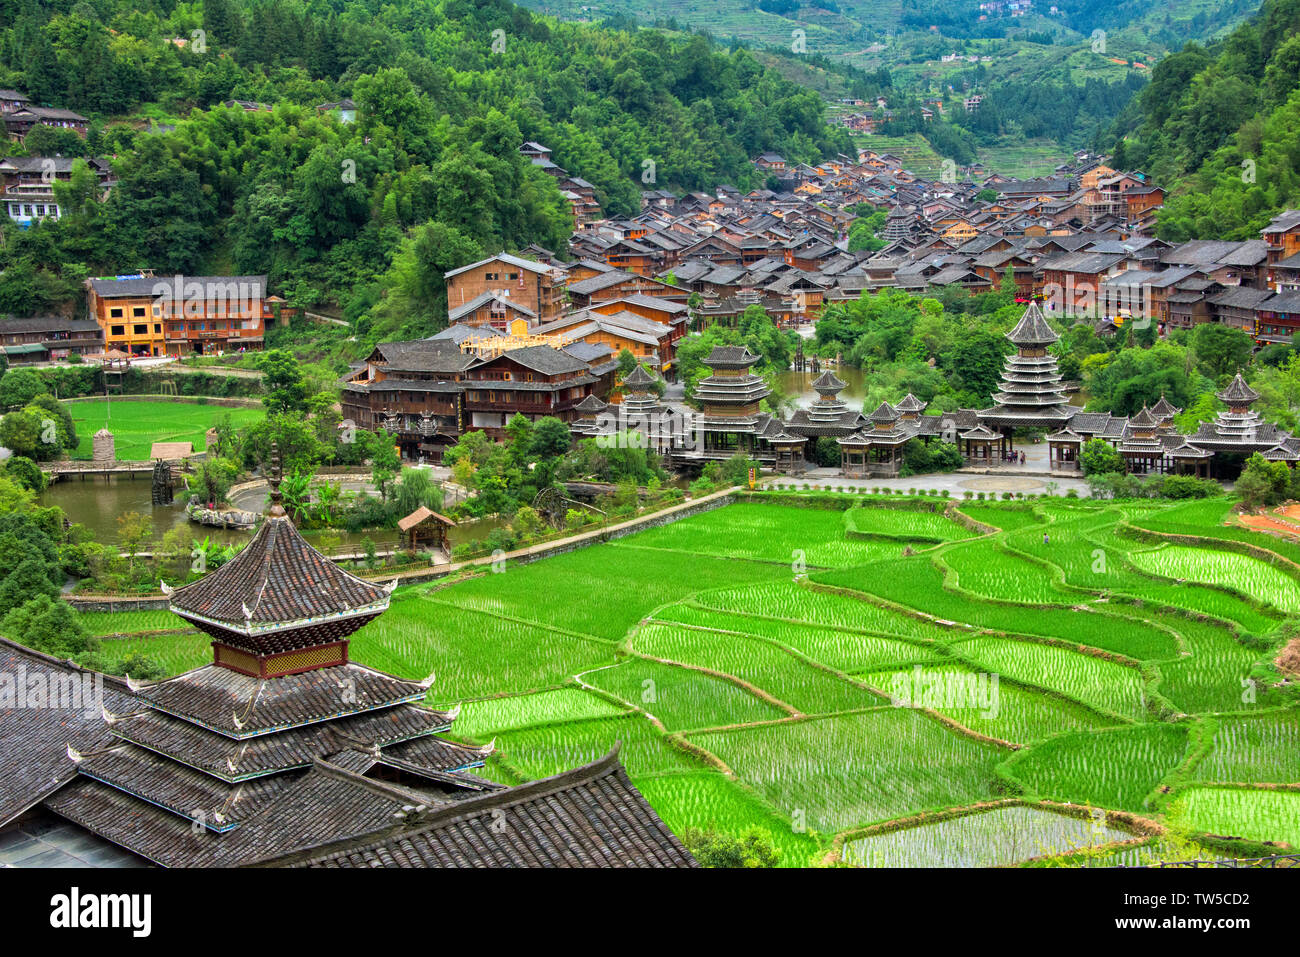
column 97, row 503
column 799, row 384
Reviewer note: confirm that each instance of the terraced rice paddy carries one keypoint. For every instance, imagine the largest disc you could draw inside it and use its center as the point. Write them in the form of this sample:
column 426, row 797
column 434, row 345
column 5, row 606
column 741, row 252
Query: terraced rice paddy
column 1256, row 815
column 904, row 524
column 995, row 838
column 776, row 533
column 1242, row 572
column 1116, row 769
column 732, row 655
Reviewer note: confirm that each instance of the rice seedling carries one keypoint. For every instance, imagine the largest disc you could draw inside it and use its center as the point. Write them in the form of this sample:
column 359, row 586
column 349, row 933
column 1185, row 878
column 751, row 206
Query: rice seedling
column 1006, row 519
column 903, row 524
column 1243, row 572
column 789, row 601
column 1091, row 559
column 1103, row 685
column 474, row 654
column 993, row 838
column 480, row 720
column 777, row 533
column 851, row 770
column 988, row 572
column 1210, row 677
column 102, row 623
column 1255, row 814
column 833, row 647
column 917, row 582
column 1116, row 768
column 681, row 698
column 602, row 590
column 756, row 662
column 707, row 799
column 1006, row 712
column 175, row 653
column 1254, row 748
column 1205, row 518
column 543, row 750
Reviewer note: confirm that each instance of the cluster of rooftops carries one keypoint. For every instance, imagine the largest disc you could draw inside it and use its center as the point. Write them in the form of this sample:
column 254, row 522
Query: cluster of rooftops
column 1031, row 397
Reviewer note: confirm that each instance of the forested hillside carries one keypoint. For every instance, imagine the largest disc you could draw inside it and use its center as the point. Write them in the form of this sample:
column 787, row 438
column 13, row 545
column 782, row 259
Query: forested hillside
column 1222, row 126
column 427, row 178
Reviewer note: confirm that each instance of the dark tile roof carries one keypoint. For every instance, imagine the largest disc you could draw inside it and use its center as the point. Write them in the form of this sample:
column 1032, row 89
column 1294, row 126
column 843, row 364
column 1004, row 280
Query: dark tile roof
column 214, row 803
column 438, row 355
column 1032, row 329
column 149, row 286
column 1238, row 391
column 34, row 741
column 591, row 816
column 240, row 706
column 329, row 801
column 233, row 760
column 47, row 324
column 277, row 578
column 729, row 356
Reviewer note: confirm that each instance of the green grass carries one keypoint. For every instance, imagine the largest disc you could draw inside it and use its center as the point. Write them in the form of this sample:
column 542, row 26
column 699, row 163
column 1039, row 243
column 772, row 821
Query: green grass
column 1090, row 558
column 833, row 647
column 474, row 654
column 786, row 600
column 757, row 663
column 602, row 590
column 918, row 582
column 1255, row 814
column 129, row 622
column 1114, row 769
column 543, row 750
column 1003, row 576
column 1106, row 686
column 136, row 425
column 1002, row 517
column 1205, row 518
column 903, row 524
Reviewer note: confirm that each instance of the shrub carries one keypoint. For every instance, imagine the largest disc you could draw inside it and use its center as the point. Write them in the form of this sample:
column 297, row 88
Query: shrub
column 754, row 848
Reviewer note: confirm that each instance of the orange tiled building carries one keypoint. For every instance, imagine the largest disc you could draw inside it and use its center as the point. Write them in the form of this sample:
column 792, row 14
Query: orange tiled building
column 147, row 315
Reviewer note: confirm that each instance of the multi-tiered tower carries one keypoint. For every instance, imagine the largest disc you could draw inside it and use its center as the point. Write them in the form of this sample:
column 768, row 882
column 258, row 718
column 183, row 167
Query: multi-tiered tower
column 1029, row 395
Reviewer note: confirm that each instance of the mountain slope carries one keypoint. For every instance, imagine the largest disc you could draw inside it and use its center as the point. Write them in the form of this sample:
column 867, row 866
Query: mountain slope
column 446, row 93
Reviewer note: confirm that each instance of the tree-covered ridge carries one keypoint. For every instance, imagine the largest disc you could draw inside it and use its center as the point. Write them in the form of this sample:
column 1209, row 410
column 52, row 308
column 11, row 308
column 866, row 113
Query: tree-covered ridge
column 446, row 93
column 1221, row 123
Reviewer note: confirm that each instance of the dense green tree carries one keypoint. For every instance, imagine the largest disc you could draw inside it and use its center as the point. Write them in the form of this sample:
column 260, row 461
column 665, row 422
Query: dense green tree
column 282, row 378
column 1099, row 457
column 48, row 624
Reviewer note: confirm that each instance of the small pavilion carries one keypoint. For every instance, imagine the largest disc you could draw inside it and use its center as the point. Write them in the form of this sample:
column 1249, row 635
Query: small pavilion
column 425, row 528
column 977, row 445
column 1063, row 450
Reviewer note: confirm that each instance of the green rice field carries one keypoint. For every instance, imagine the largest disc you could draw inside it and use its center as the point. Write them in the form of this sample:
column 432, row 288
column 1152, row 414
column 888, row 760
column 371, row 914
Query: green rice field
column 791, row 669
column 136, row 425
column 994, row 838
